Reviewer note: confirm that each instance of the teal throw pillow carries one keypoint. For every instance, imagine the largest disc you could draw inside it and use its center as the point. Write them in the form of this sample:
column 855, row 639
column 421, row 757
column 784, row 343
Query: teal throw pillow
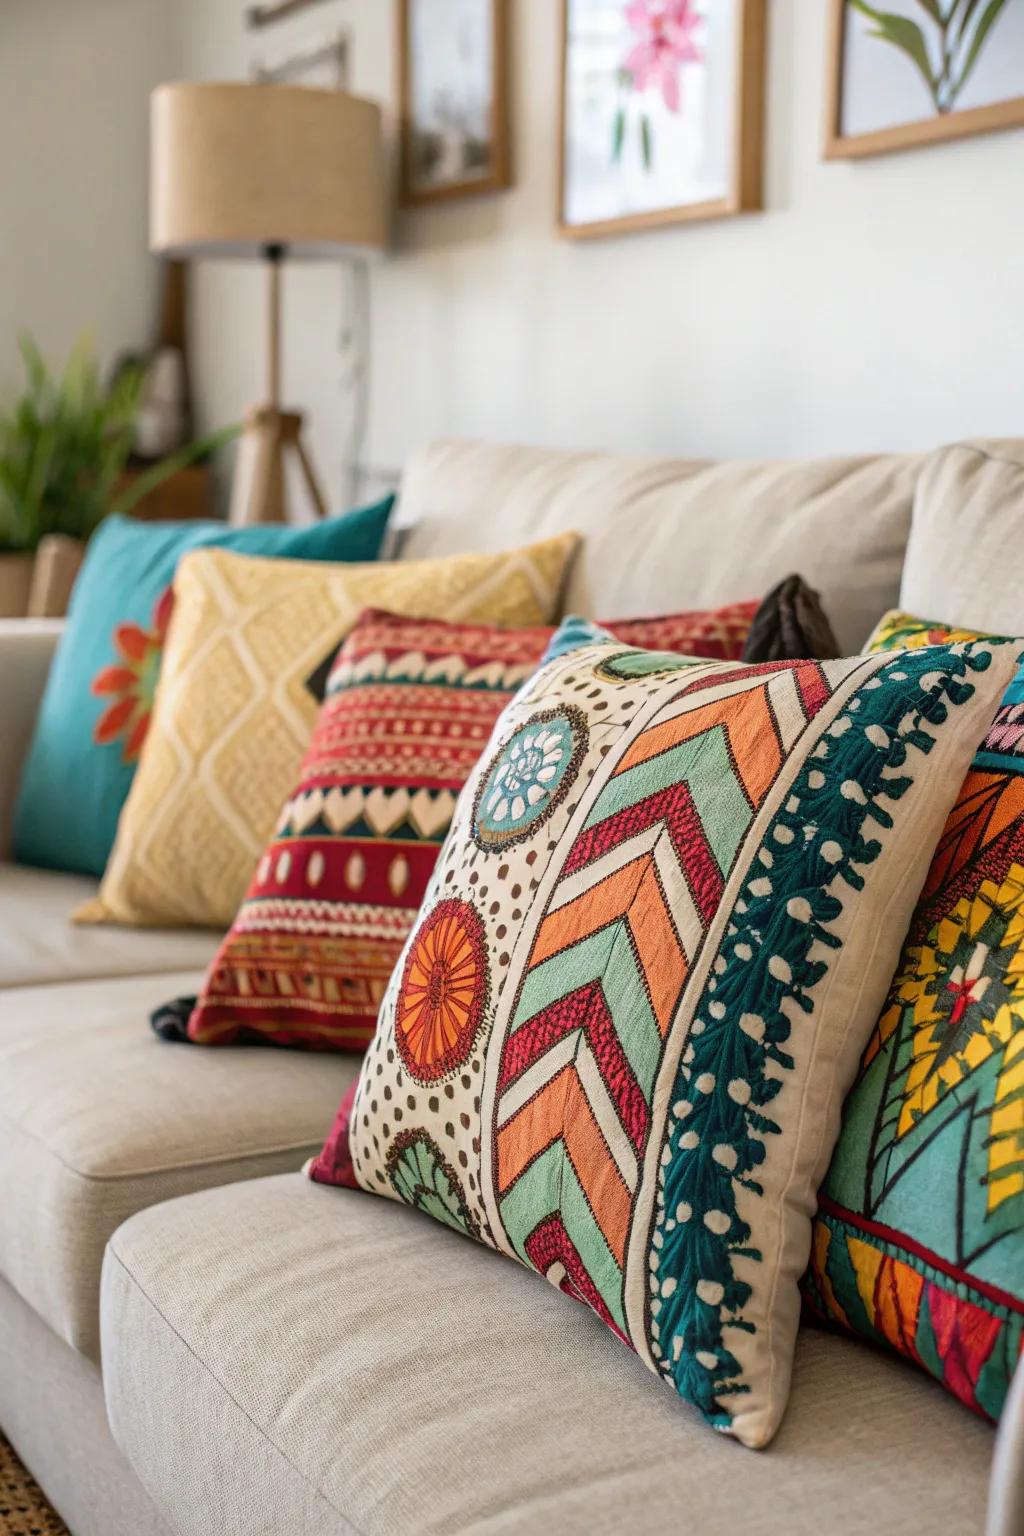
column 96, row 707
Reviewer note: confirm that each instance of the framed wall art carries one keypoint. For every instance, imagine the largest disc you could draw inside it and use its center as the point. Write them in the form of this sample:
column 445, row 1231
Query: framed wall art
column 662, row 106
column 453, row 98
column 916, row 72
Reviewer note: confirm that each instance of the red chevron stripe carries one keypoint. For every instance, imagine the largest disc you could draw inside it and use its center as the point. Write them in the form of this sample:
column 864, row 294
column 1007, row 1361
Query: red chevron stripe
column 814, row 687
column 734, row 675
column 674, row 806
column 811, row 679
column 550, row 1244
column 585, row 1010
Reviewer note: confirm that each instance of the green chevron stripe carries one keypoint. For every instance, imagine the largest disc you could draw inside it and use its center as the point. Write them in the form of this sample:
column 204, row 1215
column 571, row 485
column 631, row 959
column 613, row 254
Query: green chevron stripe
column 704, row 765
column 606, row 957
column 550, row 1184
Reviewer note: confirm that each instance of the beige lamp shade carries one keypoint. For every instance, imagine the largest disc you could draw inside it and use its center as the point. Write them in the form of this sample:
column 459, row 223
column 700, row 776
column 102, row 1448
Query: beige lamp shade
column 240, row 167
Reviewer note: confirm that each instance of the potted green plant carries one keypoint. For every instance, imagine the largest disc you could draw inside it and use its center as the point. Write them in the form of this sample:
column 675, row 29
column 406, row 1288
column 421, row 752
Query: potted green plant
column 65, row 442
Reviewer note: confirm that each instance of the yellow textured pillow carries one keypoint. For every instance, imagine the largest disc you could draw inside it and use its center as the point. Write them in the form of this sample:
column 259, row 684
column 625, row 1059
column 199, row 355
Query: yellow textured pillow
column 233, row 713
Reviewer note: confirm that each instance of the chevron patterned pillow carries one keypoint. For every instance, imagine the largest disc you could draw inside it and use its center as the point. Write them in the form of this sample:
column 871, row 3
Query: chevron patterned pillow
column 652, row 949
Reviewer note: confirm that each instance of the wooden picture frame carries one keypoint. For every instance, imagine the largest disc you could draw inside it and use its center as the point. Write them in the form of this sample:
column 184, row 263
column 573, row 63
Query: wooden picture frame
column 414, row 191
column 939, row 128
column 745, row 190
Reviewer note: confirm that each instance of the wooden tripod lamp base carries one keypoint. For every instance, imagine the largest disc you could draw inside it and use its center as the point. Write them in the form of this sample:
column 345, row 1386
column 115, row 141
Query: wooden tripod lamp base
column 272, row 437
column 272, row 440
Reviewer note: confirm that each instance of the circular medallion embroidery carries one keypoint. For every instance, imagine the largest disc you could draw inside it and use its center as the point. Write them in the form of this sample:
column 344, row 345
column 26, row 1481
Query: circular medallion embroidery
column 530, row 775
column 631, row 666
column 443, row 993
column 423, row 1178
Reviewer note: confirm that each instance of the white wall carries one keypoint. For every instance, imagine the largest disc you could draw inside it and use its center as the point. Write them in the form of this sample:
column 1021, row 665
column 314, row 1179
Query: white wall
column 74, row 80
column 875, row 304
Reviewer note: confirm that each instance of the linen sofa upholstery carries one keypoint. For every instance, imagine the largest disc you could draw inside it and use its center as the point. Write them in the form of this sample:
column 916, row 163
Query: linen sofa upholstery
column 374, row 1372
column 99, row 1118
column 26, row 647
column 963, row 565
column 666, row 534
column 39, row 943
column 52, row 1410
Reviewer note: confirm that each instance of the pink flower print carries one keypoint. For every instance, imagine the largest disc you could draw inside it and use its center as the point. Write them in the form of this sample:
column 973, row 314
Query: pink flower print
column 665, row 42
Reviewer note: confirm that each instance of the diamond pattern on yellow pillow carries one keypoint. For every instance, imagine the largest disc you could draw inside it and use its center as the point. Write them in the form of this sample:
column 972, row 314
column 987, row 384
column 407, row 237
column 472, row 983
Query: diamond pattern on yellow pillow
column 233, row 714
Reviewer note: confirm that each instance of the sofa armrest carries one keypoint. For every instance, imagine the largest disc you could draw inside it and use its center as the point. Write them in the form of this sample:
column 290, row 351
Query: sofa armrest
column 1006, row 1496
column 26, row 651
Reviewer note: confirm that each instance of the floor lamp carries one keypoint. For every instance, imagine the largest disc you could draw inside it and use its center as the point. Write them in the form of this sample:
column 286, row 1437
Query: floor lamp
column 267, row 171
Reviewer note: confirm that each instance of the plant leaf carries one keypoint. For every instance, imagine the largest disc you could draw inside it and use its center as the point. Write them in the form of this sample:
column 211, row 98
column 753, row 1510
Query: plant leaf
column 64, row 443
column 906, row 36
column 966, row 18
column 934, row 10
column 645, row 140
column 989, row 17
column 618, row 134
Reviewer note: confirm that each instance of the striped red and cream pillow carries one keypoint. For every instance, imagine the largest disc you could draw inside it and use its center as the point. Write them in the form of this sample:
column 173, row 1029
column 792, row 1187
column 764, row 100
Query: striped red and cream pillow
column 409, row 706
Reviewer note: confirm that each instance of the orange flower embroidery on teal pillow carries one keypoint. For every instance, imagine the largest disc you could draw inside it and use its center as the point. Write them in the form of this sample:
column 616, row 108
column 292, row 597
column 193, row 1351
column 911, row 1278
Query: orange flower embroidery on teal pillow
column 131, row 681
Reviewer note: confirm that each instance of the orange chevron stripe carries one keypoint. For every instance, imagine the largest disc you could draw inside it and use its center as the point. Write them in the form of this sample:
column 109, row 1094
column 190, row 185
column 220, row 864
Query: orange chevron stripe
column 633, row 894
column 749, row 725
column 561, row 1111
column 658, row 948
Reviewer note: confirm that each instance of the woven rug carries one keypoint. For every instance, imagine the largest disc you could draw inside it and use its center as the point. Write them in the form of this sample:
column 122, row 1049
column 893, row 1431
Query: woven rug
column 23, row 1510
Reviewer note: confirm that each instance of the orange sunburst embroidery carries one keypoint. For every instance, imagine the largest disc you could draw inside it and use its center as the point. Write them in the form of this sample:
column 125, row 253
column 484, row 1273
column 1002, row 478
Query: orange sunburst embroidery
column 131, row 681
column 443, row 993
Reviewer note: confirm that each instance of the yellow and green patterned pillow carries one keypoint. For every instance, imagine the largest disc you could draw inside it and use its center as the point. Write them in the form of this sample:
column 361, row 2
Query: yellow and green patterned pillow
column 919, row 1239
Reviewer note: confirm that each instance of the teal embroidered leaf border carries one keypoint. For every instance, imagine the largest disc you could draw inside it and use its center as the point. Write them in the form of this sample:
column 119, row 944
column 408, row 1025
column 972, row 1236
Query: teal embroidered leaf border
column 717, row 1127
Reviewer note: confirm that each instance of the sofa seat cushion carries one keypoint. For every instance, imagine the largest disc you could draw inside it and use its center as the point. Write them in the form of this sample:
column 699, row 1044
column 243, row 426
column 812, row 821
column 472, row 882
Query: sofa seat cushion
column 40, row 944
column 99, row 1119
column 282, row 1357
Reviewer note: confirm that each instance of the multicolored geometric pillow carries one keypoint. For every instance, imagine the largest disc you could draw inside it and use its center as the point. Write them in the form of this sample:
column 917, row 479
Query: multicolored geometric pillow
column 653, row 946
column 99, row 695
column 919, row 1239
column 410, row 705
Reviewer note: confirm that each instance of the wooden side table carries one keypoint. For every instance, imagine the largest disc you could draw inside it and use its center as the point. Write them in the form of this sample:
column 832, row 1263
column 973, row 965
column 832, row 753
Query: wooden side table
column 185, row 496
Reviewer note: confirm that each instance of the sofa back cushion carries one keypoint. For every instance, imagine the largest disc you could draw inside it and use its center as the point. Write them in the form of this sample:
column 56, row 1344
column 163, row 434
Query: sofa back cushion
column 965, row 558
column 664, row 534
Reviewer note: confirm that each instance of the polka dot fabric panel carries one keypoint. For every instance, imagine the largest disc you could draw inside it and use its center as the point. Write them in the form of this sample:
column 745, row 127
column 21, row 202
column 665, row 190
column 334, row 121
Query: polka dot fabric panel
column 653, row 946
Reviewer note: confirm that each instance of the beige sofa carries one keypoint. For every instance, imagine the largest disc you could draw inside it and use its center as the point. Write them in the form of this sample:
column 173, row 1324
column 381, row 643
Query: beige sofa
column 282, row 1358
